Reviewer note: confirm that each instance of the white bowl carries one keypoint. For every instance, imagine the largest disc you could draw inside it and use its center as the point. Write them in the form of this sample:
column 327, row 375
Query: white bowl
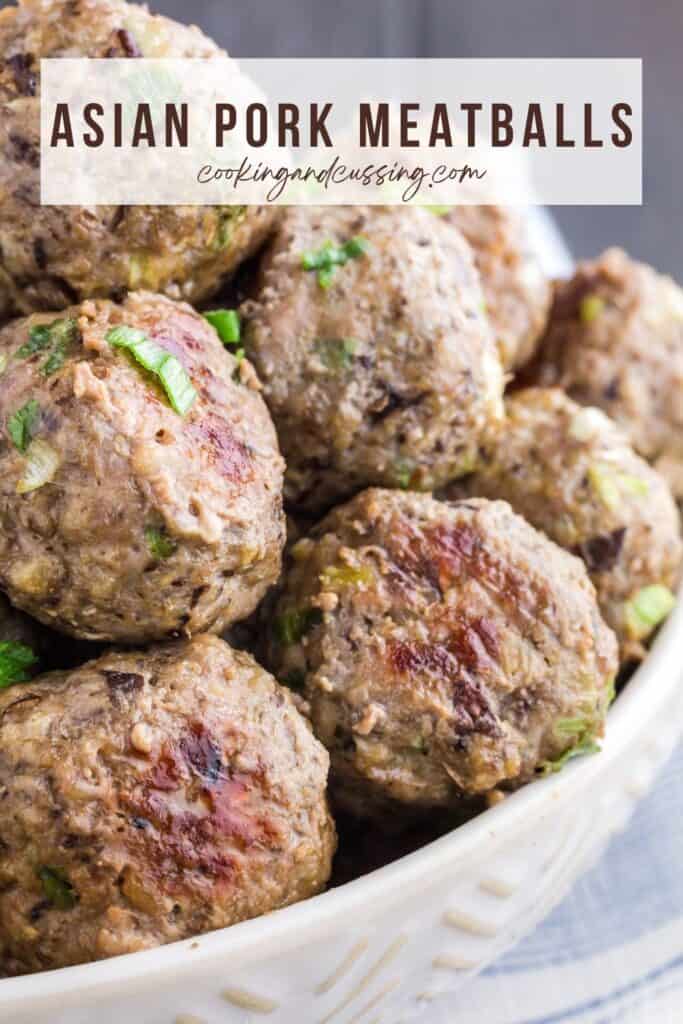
column 379, row 948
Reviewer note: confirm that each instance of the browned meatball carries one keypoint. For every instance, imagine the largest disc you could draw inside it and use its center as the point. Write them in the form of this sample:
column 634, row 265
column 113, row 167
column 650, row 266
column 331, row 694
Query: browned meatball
column 445, row 649
column 377, row 361
column 51, row 257
column 615, row 340
column 121, row 517
column 516, row 291
column 571, row 473
column 150, row 797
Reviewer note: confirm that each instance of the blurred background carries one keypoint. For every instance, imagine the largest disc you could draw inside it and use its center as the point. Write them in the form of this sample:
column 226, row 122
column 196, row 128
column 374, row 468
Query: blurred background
column 652, row 30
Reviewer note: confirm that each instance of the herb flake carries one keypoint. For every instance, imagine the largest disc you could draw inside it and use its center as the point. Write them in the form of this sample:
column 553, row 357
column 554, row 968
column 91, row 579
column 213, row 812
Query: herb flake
column 15, row 662
column 329, row 256
column 159, row 543
column 22, row 425
column 57, row 888
column 292, row 625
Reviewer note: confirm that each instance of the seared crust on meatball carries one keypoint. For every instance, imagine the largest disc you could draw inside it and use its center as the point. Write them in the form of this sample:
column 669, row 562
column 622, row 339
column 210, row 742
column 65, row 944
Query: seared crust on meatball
column 146, row 524
column 445, row 649
column 52, row 257
column 615, row 340
column 516, row 291
column 382, row 370
column 150, row 797
column 571, row 473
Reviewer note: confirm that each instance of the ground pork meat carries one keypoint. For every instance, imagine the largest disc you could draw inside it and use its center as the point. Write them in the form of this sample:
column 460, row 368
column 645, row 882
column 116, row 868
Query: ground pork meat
column 51, row 257
column 516, row 291
column 615, row 340
column 142, row 523
column 445, row 649
column 150, row 797
column 572, row 473
column 378, row 363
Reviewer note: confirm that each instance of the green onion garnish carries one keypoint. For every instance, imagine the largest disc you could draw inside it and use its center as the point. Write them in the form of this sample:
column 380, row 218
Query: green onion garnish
column 329, row 256
column 160, row 544
column 39, row 338
column 21, row 426
column 57, row 336
column 226, row 323
column 588, row 746
column 591, row 307
column 336, row 353
column 42, row 463
column 647, row 609
column 157, row 360
column 57, row 888
column 291, row 626
column 15, row 662
column 403, row 473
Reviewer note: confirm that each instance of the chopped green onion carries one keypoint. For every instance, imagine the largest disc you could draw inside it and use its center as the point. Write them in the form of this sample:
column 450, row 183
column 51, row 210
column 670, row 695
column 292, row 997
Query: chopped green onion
column 57, row 888
column 15, row 662
column 330, row 256
column 346, row 575
column 403, row 473
column 440, row 211
column 647, row 609
column 226, row 323
column 159, row 543
column 177, row 385
column 336, row 353
column 571, row 726
column 291, row 626
column 21, row 426
column 42, row 463
column 39, row 337
column 591, row 307
column 227, row 219
column 611, row 484
column 170, row 371
column 588, row 746
column 633, row 485
column 58, row 336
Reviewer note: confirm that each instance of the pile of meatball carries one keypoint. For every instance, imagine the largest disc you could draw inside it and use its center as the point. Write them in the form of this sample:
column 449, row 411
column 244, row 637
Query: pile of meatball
column 429, row 498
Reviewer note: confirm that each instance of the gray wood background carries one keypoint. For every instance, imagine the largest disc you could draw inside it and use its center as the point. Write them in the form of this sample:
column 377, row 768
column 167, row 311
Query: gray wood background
column 499, row 28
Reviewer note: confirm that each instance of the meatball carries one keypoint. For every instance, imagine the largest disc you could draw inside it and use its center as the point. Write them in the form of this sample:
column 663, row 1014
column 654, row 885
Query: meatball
column 571, row 473
column 377, row 361
column 150, row 797
column 52, row 257
column 615, row 340
column 445, row 650
column 516, row 290
column 120, row 518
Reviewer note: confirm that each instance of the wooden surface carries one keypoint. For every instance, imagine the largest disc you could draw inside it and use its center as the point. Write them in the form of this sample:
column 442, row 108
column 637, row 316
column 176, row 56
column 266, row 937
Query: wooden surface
column 498, row 28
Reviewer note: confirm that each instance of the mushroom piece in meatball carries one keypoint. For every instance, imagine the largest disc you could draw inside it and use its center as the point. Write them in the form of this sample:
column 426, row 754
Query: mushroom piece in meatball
column 148, row 797
column 615, row 340
column 571, row 472
column 516, row 291
column 140, row 478
column 50, row 256
column 377, row 360
column 445, row 649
